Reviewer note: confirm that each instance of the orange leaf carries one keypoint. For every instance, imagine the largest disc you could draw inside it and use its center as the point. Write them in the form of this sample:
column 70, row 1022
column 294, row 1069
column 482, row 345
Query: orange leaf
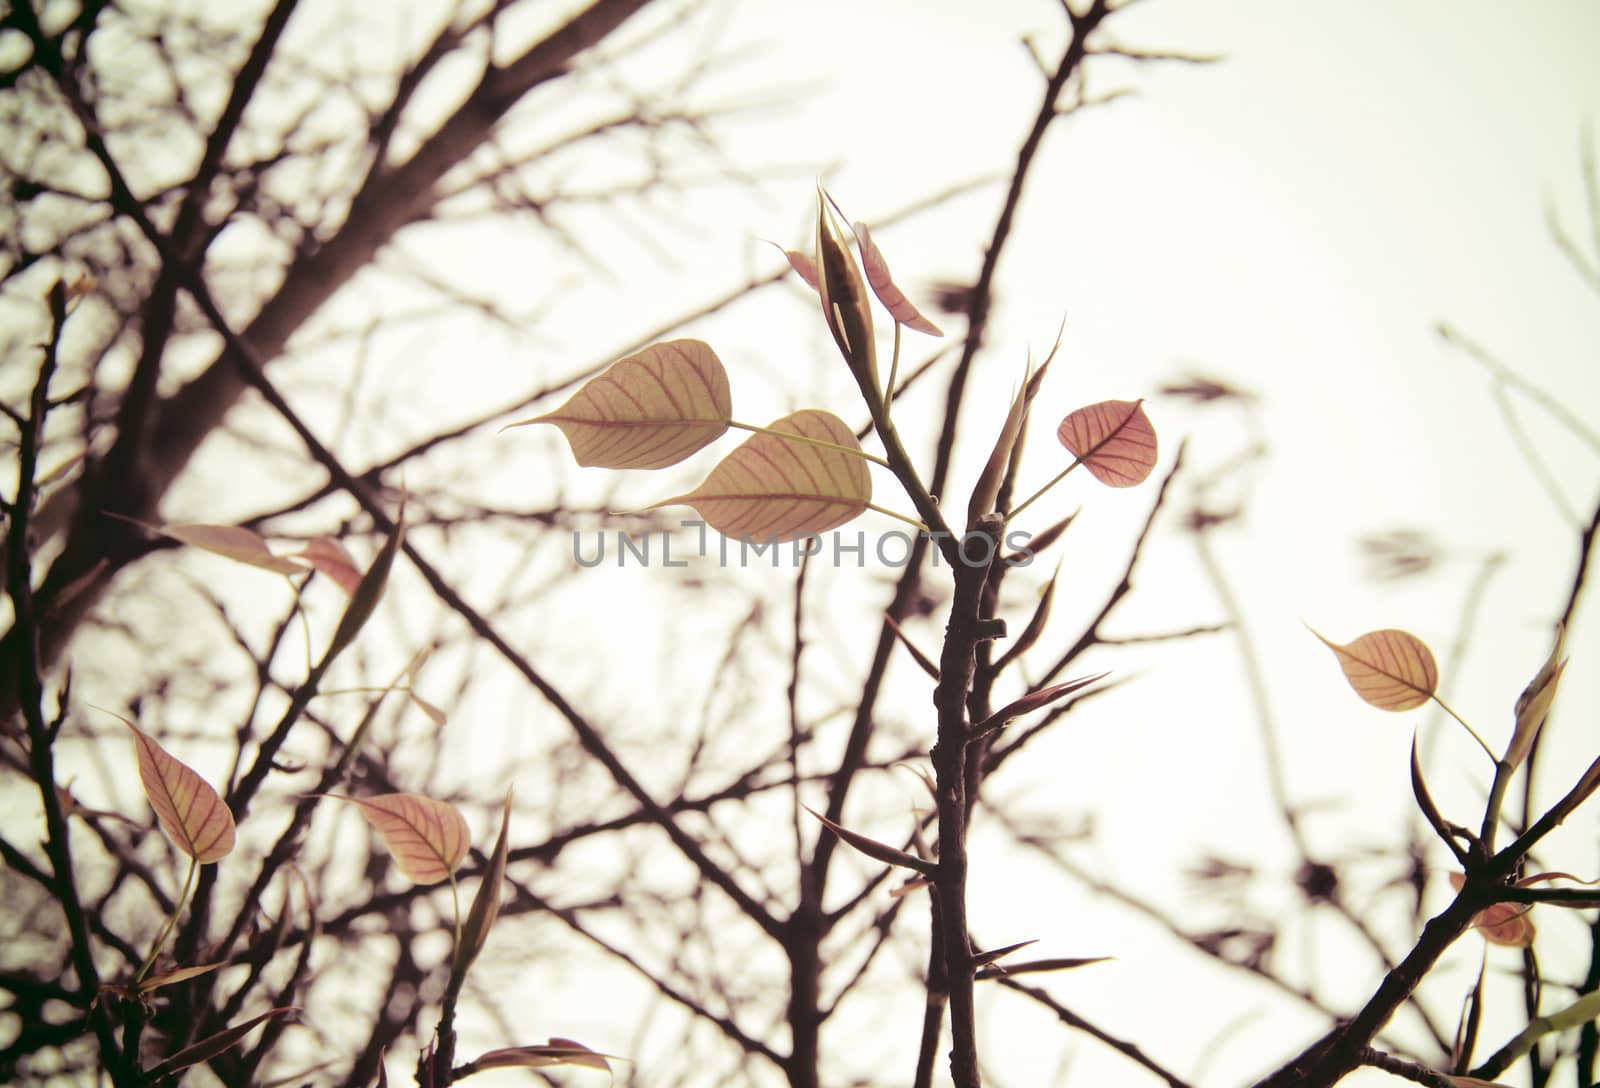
column 1113, row 440
column 190, row 812
column 329, row 556
column 428, row 838
column 1390, row 669
column 232, row 542
column 649, row 410
column 878, row 278
column 775, row 488
column 556, row 1052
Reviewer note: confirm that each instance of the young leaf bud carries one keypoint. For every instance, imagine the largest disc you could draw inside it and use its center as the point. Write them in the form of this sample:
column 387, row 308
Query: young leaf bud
column 845, row 304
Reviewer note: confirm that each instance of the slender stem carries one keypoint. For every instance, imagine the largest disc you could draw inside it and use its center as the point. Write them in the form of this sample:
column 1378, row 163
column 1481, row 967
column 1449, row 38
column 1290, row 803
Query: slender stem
column 1481, row 743
column 1031, row 499
column 172, row 920
column 821, row 443
column 894, row 369
column 911, row 521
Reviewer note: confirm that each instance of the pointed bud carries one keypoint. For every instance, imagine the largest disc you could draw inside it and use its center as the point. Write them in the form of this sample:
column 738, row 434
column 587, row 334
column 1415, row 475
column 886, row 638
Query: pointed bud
column 1534, row 702
column 846, row 305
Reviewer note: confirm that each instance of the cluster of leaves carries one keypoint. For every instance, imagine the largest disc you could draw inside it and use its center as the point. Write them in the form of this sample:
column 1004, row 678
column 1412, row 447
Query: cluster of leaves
column 806, row 473
column 1394, row 670
column 428, row 838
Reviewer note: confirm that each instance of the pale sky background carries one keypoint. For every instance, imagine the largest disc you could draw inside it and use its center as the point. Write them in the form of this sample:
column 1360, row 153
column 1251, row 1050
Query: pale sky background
column 1294, row 220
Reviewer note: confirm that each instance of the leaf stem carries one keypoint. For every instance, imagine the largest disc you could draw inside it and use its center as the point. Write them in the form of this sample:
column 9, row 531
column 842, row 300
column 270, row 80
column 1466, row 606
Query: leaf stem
column 1031, row 499
column 894, row 368
column 819, row 442
column 166, row 930
column 898, row 516
column 1481, row 743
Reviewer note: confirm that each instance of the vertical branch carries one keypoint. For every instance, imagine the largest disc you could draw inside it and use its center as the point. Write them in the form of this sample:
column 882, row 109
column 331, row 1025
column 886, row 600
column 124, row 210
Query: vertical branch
column 41, row 736
column 956, row 666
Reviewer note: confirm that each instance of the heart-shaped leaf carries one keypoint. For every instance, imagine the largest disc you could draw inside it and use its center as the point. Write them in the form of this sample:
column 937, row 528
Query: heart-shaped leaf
column 648, row 410
column 1113, row 440
column 1390, row 669
column 234, row 542
column 777, row 488
column 428, row 838
column 190, row 812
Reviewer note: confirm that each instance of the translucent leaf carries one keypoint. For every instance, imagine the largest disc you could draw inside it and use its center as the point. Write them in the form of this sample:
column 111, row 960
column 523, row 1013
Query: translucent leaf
column 803, row 265
column 882, row 284
column 428, row 838
column 486, row 904
column 190, row 812
column 330, row 557
column 648, row 410
column 1113, row 440
column 774, row 488
column 234, row 542
column 555, row 1052
column 212, row 1045
column 1390, row 669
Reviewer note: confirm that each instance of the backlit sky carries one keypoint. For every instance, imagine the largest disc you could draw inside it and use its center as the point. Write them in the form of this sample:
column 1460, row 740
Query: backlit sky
column 1294, row 220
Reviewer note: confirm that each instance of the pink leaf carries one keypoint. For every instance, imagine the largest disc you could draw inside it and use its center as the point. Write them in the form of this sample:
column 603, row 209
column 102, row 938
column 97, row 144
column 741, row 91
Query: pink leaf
column 232, row 541
column 1113, row 440
column 190, row 812
column 803, row 265
column 782, row 488
column 882, row 284
column 428, row 838
column 329, row 556
column 1390, row 669
column 649, row 410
